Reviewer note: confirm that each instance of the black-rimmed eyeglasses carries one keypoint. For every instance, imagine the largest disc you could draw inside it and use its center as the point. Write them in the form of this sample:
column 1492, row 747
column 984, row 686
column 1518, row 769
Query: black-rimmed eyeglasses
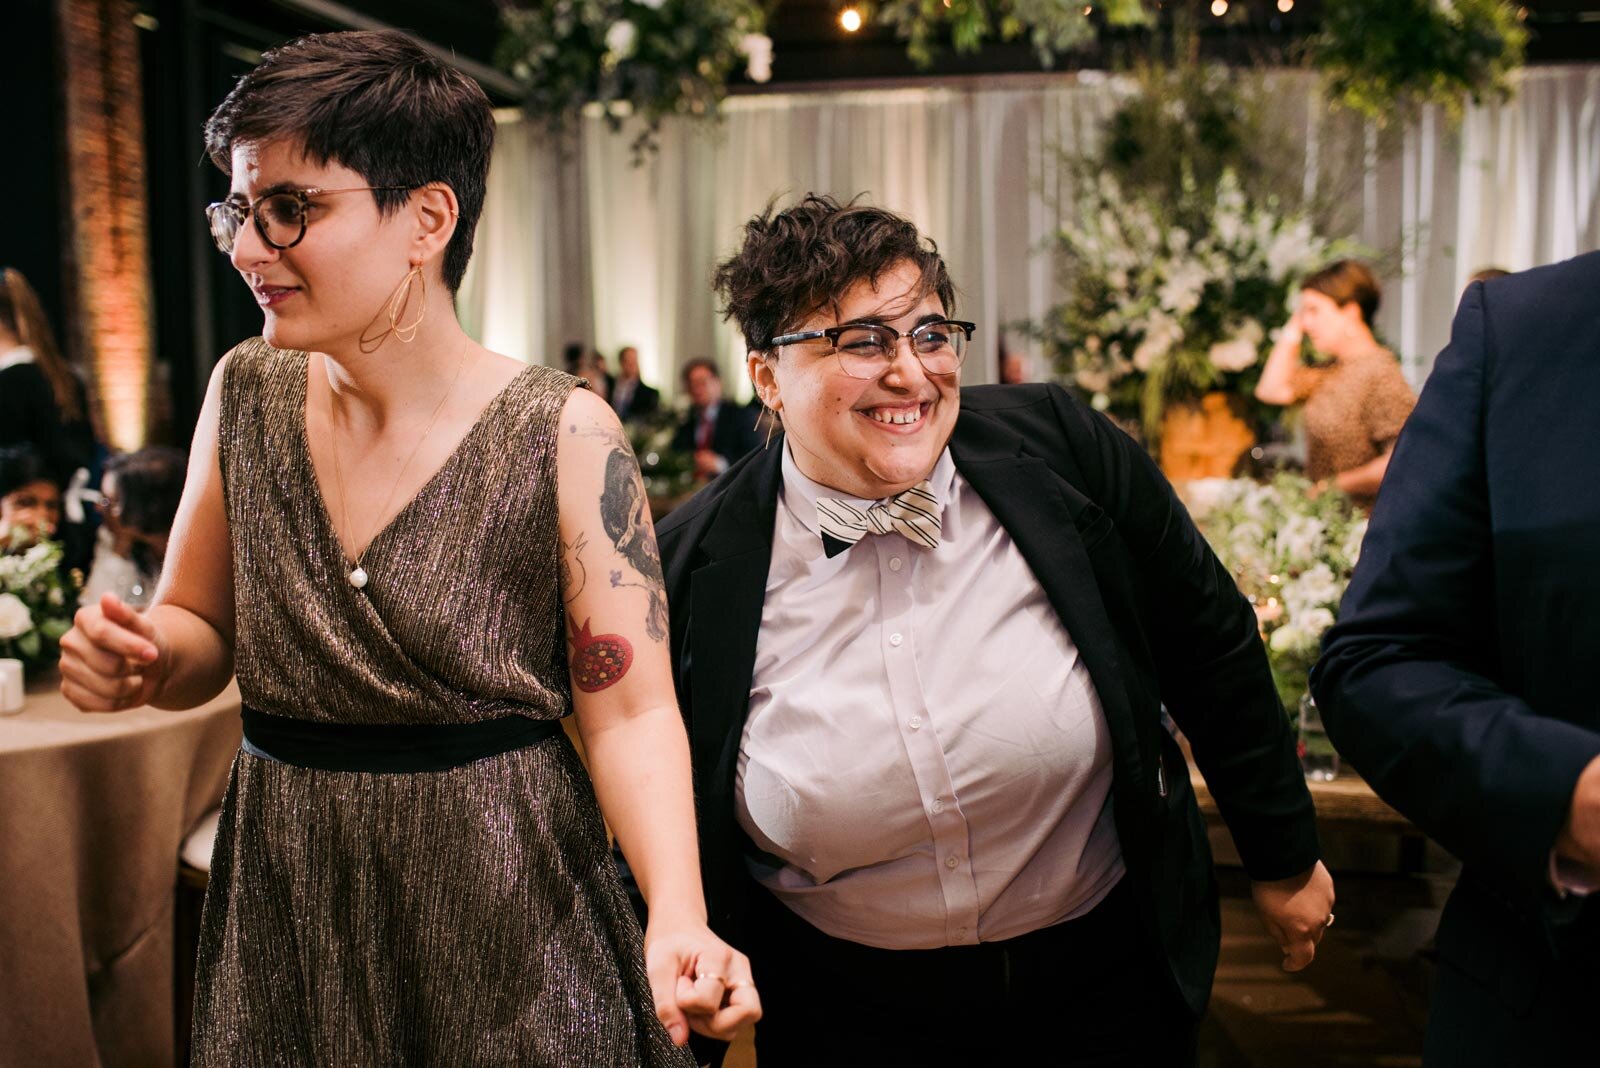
column 280, row 217
column 865, row 350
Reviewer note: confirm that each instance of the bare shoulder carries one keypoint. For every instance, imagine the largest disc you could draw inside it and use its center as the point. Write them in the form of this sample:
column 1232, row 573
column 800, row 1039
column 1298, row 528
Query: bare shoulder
column 586, row 419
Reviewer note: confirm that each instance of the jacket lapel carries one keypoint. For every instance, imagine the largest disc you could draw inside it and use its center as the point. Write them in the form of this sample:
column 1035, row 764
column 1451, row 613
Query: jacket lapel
column 1046, row 519
column 726, row 596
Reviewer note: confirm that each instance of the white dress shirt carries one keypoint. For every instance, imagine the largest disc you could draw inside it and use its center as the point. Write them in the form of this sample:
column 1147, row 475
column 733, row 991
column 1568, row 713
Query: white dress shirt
column 925, row 761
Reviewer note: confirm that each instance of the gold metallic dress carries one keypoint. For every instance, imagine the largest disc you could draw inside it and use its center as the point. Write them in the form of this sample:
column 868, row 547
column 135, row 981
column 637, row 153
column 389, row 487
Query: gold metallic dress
column 468, row 916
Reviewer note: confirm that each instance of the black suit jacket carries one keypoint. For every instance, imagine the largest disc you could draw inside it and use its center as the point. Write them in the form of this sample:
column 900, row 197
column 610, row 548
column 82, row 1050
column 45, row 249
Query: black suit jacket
column 1154, row 615
column 732, row 436
column 1458, row 679
column 645, row 400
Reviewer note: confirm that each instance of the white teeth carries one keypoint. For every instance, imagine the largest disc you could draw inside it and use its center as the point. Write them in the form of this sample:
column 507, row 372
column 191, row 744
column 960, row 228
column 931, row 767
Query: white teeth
column 897, row 417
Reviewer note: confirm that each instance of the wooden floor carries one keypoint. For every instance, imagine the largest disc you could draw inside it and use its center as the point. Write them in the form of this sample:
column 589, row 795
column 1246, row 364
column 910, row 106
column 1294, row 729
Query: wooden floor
column 1361, row 1005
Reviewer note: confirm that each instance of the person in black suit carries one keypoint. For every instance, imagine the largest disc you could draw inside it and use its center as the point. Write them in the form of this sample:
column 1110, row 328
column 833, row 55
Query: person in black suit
column 1457, row 680
column 716, row 433
column 630, row 397
column 922, row 642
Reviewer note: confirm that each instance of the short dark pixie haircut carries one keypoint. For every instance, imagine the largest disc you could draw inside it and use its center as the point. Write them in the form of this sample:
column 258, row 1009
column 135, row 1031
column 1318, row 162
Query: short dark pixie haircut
column 1344, row 281
column 795, row 262
column 376, row 102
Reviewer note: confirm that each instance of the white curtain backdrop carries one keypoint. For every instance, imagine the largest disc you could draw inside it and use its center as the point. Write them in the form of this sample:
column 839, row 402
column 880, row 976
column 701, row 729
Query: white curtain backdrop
column 580, row 245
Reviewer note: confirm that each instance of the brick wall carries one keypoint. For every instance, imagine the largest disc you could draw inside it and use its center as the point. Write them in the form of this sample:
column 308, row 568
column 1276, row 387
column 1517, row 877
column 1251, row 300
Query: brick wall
column 108, row 255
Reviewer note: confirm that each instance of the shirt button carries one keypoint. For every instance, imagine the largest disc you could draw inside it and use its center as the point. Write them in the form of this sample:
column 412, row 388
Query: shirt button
column 915, row 722
column 895, row 639
column 938, row 804
column 951, row 862
column 961, row 932
column 896, row 564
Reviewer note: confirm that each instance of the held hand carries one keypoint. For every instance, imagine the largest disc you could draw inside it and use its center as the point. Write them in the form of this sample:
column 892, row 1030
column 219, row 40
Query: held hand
column 699, row 982
column 1296, row 912
column 113, row 658
column 1579, row 840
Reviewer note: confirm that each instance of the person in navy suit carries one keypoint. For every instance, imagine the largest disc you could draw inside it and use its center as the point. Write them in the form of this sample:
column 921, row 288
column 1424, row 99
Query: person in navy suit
column 1457, row 678
column 923, row 641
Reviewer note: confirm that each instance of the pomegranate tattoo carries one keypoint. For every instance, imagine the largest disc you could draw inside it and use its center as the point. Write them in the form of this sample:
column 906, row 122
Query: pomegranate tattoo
column 598, row 660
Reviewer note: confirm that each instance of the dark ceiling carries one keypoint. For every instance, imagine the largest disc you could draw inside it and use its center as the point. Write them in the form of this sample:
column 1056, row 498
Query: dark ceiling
column 810, row 46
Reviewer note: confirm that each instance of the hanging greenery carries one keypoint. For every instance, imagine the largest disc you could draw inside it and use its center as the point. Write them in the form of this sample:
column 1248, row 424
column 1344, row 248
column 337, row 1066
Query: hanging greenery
column 1051, row 26
column 649, row 58
column 1385, row 59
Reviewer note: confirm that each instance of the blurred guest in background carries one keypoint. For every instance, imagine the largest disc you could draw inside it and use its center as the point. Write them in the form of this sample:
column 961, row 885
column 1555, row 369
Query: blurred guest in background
column 1356, row 402
column 138, row 499
column 30, row 498
column 1014, row 369
column 716, row 433
column 630, row 397
column 42, row 401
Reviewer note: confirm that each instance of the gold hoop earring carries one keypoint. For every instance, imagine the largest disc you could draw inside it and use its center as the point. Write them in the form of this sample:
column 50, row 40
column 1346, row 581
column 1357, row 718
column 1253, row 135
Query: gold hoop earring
column 402, row 300
column 395, row 308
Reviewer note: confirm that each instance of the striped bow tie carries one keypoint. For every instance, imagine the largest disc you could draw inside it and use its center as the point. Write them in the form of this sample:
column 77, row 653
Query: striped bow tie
column 913, row 513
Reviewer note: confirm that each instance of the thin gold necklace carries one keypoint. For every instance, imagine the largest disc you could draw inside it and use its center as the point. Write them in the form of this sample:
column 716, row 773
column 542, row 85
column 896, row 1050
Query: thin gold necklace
column 357, row 575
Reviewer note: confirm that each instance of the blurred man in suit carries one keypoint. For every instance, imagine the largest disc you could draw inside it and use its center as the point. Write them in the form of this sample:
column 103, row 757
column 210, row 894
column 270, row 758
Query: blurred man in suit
column 717, row 433
column 1457, row 679
column 630, row 397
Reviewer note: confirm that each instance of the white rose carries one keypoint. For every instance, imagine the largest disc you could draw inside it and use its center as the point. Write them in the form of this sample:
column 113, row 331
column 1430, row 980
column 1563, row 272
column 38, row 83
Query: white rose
column 15, row 619
column 1234, row 355
column 757, row 48
column 620, row 39
column 1292, row 639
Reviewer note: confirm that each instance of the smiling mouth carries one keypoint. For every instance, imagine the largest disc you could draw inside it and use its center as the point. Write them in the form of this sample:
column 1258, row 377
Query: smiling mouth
column 898, row 414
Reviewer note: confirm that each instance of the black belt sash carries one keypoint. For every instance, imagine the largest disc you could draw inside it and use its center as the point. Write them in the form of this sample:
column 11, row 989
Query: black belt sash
column 390, row 747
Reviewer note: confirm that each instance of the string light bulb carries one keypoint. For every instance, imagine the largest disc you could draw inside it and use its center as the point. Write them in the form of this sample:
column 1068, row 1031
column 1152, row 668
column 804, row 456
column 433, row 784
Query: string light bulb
column 850, row 20
column 1219, row 8
column 1285, row 6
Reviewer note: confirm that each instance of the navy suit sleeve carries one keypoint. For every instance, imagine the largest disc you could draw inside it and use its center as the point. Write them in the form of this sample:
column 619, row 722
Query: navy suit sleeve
column 1406, row 682
column 1212, row 667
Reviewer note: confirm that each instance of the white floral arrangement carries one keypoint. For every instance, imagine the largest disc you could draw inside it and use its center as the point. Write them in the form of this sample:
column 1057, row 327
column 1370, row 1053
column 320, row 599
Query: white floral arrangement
column 645, row 58
column 1158, row 311
column 36, row 601
column 1291, row 554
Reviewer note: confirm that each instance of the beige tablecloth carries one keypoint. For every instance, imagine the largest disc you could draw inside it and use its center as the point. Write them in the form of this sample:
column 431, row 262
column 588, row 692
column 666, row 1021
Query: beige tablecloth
column 92, row 811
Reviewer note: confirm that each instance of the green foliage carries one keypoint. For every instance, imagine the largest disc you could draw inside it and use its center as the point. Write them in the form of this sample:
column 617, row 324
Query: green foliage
column 1385, row 59
column 1050, row 26
column 650, row 58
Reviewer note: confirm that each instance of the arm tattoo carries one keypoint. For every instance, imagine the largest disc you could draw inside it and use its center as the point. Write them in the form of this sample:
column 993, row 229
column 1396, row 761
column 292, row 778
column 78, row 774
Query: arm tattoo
column 597, row 660
column 573, row 574
column 624, row 512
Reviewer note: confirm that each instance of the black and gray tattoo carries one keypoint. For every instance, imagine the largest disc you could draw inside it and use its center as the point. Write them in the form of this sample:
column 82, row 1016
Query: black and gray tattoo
column 625, row 514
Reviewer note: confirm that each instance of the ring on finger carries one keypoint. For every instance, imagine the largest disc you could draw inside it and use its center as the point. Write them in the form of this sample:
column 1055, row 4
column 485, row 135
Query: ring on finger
column 700, row 976
column 1328, row 922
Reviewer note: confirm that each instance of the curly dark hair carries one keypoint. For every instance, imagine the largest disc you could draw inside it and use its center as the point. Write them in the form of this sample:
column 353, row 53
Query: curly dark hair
column 799, row 260
column 374, row 101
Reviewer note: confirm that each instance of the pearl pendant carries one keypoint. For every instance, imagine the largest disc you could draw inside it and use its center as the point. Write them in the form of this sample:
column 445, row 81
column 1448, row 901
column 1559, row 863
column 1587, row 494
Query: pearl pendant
column 358, row 577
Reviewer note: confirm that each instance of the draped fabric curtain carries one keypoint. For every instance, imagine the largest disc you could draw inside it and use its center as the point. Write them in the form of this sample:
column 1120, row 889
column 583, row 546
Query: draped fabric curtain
column 578, row 244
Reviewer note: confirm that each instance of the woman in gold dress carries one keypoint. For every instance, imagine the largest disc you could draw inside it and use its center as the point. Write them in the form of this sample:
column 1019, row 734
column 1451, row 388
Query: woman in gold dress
column 419, row 556
column 1356, row 403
